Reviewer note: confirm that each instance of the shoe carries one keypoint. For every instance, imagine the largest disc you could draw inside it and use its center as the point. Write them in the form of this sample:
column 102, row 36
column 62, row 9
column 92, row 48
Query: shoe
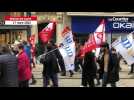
column 71, row 74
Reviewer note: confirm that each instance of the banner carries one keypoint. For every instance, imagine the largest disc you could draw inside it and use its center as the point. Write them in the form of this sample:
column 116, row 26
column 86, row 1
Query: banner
column 89, row 45
column 99, row 34
column 125, row 46
column 67, row 49
column 96, row 39
column 46, row 34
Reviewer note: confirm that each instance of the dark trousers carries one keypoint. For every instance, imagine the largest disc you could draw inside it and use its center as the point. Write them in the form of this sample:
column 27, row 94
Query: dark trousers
column 33, row 78
column 87, row 80
column 62, row 65
column 77, row 63
column 132, row 68
column 104, row 81
column 24, row 83
column 54, row 79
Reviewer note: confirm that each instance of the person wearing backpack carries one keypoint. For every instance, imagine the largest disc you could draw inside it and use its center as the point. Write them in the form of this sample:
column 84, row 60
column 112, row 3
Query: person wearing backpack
column 50, row 65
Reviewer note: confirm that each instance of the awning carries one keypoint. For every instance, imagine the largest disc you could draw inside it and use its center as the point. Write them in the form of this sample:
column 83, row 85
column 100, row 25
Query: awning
column 125, row 14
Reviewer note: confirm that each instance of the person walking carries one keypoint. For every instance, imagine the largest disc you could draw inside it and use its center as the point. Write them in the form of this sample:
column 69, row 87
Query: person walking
column 24, row 67
column 8, row 68
column 50, row 65
column 111, row 67
column 89, row 69
column 114, row 68
column 27, row 49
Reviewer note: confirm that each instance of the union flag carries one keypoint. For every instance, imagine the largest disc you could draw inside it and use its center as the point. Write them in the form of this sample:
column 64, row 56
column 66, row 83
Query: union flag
column 46, row 34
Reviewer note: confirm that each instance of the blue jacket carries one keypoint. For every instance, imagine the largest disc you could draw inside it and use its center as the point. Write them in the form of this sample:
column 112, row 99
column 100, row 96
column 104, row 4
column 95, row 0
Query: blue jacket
column 28, row 52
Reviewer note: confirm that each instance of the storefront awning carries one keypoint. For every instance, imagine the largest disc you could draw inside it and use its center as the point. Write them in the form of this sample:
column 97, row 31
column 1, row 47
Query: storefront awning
column 125, row 14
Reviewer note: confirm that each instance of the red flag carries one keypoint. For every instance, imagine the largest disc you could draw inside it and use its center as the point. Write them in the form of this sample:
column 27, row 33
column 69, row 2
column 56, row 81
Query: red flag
column 89, row 45
column 96, row 39
column 99, row 34
column 46, row 34
column 65, row 31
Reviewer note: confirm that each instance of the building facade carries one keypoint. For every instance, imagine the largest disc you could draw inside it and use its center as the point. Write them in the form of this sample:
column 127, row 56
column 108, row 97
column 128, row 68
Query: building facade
column 116, row 23
column 10, row 33
column 85, row 23
column 81, row 23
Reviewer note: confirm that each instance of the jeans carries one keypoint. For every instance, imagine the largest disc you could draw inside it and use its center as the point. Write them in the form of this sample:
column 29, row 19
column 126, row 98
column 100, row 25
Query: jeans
column 53, row 77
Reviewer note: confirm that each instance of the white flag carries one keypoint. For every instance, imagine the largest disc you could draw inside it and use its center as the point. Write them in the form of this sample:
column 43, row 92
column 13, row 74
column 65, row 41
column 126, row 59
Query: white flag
column 99, row 34
column 68, row 49
column 125, row 46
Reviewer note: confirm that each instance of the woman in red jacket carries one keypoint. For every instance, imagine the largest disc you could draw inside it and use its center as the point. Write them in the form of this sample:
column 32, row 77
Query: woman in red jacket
column 24, row 67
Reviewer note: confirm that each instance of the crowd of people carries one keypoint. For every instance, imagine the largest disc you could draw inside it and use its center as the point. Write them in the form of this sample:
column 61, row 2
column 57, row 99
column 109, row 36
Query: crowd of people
column 106, row 67
column 16, row 65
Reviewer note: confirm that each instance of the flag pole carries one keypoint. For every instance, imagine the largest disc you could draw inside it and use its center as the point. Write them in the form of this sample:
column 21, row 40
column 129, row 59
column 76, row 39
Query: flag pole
column 49, row 52
column 39, row 57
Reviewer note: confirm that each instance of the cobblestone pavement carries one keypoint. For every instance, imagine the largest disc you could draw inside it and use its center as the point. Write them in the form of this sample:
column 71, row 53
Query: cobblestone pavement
column 75, row 81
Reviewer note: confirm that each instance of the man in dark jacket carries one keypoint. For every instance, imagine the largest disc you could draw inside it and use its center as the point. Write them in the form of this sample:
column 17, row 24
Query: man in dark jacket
column 89, row 70
column 111, row 67
column 113, row 70
column 8, row 68
column 50, row 65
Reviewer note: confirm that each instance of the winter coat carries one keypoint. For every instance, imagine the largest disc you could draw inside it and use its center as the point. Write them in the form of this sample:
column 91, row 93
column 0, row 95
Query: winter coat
column 113, row 68
column 50, row 62
column 89, row 67
column 24, row 66
column 8, row 71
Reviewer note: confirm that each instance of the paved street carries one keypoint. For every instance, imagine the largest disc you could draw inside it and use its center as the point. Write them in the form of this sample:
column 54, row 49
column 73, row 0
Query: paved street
column 75, row 81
